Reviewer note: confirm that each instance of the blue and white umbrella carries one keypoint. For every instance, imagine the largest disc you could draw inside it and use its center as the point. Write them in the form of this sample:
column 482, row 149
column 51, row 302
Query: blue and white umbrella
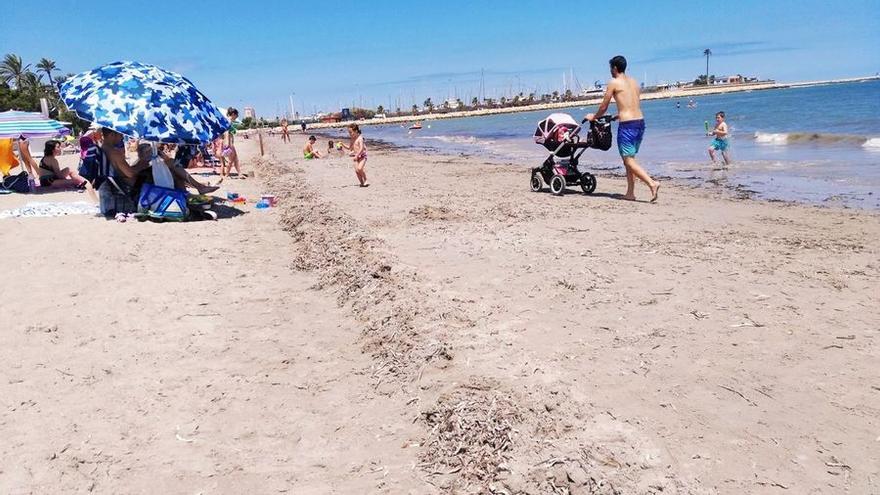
column 146, row 102
column 30, row 125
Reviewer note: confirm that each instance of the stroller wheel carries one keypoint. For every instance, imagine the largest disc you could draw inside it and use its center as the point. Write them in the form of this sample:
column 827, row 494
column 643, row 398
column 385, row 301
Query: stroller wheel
column 588, row 183
column 557, row 184
column 536, row 183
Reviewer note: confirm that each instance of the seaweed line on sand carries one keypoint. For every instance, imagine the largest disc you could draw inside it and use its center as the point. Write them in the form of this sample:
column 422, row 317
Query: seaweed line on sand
column 480, row 437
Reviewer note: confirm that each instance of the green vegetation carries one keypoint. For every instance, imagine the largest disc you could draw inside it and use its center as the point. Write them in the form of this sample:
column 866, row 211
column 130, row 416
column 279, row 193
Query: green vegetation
column 21, row 89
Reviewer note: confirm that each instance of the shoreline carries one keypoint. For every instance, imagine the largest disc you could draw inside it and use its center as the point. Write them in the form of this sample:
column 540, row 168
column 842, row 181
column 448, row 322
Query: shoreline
column 734, row 191
column 660, row 95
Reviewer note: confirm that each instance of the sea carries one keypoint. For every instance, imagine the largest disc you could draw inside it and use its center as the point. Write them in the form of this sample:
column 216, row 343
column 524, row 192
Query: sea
column 819, row 144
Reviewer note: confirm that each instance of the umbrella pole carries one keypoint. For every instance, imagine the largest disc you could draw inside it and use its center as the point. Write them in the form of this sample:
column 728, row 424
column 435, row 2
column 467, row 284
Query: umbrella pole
column 260, row 135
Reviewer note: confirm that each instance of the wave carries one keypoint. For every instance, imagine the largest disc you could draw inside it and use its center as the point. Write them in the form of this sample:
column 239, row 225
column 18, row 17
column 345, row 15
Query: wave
column 815, row 138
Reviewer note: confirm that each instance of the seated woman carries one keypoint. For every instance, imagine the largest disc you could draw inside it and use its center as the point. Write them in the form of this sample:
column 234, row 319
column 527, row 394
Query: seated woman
column 51, row 173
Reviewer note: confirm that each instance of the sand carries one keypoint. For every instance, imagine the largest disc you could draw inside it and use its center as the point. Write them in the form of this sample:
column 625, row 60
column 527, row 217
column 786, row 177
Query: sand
column 443, row 331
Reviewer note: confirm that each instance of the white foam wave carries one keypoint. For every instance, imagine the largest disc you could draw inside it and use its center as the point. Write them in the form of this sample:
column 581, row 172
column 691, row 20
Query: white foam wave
column 872, row 143
column 458, row 139
column 771, row 138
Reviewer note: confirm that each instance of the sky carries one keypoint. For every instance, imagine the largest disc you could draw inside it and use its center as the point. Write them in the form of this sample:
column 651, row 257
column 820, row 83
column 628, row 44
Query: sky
column 333, row 54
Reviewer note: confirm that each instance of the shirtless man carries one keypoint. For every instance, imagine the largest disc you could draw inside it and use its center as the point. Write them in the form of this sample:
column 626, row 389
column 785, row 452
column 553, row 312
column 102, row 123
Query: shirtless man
column 625, row 92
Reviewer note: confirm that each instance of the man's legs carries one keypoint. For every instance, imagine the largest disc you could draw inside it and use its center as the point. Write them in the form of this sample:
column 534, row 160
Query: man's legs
column 633, row 167
column 630, row 182
column 712, row 153
column 726, row 155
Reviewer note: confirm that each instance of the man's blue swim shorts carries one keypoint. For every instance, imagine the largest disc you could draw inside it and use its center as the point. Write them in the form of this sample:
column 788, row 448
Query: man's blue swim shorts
column 629, row 137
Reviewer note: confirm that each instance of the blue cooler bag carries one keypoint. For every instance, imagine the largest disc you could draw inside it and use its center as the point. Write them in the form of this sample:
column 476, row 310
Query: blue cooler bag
column 162, row 203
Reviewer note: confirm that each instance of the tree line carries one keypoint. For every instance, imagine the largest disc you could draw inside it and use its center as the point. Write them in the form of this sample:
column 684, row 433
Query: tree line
column 22, row 85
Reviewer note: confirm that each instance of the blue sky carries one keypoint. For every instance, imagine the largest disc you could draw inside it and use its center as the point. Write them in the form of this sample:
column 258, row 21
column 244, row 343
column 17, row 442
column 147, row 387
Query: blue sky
column 336, row 53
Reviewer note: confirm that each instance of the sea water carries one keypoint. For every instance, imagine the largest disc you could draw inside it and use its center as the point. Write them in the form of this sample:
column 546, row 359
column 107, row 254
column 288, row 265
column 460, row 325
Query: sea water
column 816, row 144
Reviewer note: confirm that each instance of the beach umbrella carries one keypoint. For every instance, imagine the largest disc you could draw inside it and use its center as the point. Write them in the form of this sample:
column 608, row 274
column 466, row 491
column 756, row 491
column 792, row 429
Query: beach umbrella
column 29, row 124
column 145, row 102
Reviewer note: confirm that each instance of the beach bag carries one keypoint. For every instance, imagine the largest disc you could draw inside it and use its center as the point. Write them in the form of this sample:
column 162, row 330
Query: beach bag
column 162, row 203
column 90, row 166
column 115, row 197
column 600, row 135
column 17, row 183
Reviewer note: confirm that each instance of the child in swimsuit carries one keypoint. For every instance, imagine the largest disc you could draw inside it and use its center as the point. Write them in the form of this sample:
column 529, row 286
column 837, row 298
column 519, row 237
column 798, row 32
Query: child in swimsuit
column 309, row 151
column 720, row 143
column 359, row 152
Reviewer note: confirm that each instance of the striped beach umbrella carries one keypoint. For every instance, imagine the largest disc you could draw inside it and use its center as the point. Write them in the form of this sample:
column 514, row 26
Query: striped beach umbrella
column 146, row 102
column 29, row 124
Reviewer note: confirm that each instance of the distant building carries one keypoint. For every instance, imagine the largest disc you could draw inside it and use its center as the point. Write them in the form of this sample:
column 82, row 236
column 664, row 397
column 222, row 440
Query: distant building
column 249, row 113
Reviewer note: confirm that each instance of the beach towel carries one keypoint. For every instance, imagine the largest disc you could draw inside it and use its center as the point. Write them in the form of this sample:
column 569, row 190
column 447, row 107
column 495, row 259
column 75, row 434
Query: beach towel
column 37, row 209
column 7, row 157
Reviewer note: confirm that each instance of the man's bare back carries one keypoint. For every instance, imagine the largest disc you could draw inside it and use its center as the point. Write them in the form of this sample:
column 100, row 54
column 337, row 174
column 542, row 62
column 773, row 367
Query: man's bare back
column 626, row 94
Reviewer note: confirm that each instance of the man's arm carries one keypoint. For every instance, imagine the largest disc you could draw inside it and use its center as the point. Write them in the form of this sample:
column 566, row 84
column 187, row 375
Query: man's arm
column 603, row 107
column 117, row 159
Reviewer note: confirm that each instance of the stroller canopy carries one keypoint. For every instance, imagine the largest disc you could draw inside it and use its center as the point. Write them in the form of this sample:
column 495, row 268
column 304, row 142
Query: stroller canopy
column 547, row 128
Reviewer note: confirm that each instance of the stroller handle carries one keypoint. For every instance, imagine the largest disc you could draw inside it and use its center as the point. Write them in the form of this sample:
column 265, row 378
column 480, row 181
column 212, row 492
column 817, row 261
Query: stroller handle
column 604, row 118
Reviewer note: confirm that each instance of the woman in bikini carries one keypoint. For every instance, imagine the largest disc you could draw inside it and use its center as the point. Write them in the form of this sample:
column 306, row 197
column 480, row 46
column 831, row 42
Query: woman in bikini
column 51, row 173
column 358, row 150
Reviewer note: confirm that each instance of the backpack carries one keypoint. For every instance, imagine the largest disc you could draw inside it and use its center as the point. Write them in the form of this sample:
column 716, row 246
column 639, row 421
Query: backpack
column 17, row 183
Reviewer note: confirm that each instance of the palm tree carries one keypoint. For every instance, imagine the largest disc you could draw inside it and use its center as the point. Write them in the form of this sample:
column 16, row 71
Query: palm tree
column 47, row 66
column 475, row 102
column 415, row 109
column 31, row 81
column 381, row 109
column 13, row 69
column 708, row 53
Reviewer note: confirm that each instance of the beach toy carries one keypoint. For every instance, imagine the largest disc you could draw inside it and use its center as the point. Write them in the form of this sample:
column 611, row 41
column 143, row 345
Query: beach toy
column 262, row 204
column 706, row 123
column 270, row 199
column 231, row 195
column 339, row 146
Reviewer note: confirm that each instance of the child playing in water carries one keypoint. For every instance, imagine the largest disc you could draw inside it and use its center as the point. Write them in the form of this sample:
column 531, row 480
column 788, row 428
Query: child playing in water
column 720, row 143
column 358, row 150
column 309, row 151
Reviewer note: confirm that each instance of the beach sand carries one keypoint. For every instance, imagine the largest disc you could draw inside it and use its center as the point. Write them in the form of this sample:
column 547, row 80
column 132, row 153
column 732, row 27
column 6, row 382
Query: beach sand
column 444, row 331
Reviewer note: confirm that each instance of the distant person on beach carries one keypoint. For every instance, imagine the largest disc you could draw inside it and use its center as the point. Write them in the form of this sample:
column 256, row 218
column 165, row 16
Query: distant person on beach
column 720, row 143
column 330, row 147
column 89, row 140
column 285, row 133
column 625, row 92
column 358, row 150
column 302, row 126
column 229, row 156
column 309, row 151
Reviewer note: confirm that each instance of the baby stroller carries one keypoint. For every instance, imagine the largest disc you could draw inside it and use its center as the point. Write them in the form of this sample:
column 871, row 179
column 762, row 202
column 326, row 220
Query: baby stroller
column 559, row 133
